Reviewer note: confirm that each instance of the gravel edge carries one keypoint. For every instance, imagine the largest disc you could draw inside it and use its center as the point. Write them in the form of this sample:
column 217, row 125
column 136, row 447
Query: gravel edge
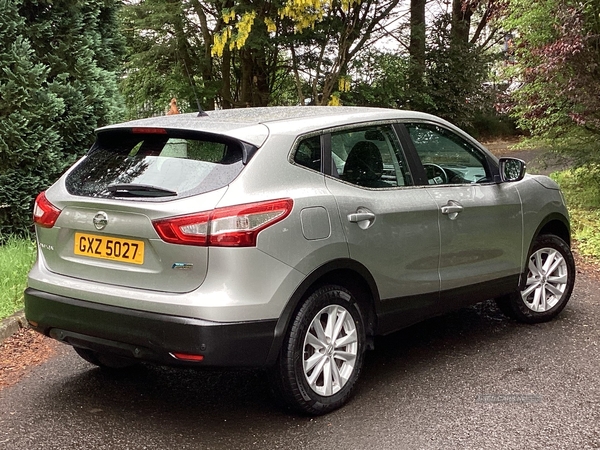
column 12, row 324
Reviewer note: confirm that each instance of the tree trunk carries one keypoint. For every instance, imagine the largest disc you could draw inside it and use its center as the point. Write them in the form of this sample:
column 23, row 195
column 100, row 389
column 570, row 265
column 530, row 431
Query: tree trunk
column 260, row 78
column 416, row 50
column 461, row 20
column 297, row 76
column 246, row 77
column 227, row 102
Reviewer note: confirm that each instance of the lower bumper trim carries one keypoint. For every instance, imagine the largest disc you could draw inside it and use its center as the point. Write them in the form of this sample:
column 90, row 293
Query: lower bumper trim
column 149, row 336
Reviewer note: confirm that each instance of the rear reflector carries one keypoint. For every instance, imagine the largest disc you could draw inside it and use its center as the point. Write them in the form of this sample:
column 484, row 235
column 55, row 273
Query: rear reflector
column 188, row 357
column 233, row 226
column 45, row 213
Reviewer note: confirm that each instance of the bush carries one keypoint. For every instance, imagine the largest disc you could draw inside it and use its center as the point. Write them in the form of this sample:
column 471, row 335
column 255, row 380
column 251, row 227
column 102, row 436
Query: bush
column 27, row 136
column 488, row 125
column 58, row 62
column 582, row 193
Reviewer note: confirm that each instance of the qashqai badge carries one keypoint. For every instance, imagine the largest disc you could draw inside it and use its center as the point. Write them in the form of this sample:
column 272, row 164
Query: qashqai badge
column 100, row 220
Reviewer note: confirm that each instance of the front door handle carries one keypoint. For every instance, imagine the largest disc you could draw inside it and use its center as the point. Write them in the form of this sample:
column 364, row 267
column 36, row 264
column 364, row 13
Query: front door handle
column 451, row 209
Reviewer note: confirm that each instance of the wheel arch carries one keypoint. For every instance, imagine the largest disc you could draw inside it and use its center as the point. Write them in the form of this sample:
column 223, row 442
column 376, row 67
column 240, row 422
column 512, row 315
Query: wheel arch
column 344, row 272
column 555, row 224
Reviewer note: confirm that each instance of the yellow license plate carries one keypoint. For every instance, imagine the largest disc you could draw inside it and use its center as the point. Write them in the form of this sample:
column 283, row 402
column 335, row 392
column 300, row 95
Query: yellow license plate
column 107, row 247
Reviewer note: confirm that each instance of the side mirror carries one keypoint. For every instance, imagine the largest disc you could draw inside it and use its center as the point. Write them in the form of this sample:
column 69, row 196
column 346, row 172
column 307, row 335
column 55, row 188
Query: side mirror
column 512, row 169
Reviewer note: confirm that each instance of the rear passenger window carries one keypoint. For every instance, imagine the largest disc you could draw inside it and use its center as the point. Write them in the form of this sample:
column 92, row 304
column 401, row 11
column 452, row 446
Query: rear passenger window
column 370, row 157
column 308, row 153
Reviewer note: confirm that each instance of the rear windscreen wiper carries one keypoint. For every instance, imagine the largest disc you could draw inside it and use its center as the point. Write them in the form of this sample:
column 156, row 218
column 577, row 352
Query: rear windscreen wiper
column 139, row 190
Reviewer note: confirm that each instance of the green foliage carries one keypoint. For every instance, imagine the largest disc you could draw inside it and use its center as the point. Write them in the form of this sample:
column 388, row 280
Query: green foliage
column 58, row 62
column 381, row 80
column 454, row 77
column 28, row 113
column 79, row 42
column 582, row 193
column 557, row 59
column 16, row 258
column 241, row 53
column 488, row 124
column 453, row 86
column 161, row 49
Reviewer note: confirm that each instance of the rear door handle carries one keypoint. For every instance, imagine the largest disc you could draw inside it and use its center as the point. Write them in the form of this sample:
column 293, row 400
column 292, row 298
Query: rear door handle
column 360, row 216
column 451, row 209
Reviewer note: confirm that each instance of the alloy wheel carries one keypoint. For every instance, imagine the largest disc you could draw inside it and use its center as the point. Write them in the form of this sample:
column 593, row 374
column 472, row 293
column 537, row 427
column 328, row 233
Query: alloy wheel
column 546, row 280
column 330, row 350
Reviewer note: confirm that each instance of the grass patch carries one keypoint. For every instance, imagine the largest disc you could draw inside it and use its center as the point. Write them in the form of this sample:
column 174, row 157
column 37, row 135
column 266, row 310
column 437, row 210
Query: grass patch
column 16, row 258
column 581, row 188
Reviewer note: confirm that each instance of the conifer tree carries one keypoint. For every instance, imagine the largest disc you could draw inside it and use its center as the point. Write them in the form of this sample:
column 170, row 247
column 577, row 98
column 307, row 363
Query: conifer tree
column 28, row 138
column 80, row 42
column 58, row 82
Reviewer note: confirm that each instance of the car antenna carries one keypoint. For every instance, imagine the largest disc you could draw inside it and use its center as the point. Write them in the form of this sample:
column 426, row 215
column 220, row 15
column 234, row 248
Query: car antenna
column 201, row 112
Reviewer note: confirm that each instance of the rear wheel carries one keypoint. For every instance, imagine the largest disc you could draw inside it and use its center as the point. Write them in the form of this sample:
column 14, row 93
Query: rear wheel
column 550, row 276
column 105, row 360
column 322, row 354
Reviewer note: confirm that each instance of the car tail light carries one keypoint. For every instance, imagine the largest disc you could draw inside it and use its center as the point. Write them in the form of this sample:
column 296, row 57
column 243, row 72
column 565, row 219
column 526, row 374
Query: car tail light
column 233, row 226
column 44, row 212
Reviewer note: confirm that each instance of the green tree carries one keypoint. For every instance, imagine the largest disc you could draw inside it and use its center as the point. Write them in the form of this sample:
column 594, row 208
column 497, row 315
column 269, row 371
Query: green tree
column 415, row 97
column 556, row 54
column 28, row 137
column 455, row 75
column 379, row 79
column 59, row 62
column 165, row 40
column 170, row 50
column 240, row 53
column 80, row 43
column 322, row 48
column 447, row 80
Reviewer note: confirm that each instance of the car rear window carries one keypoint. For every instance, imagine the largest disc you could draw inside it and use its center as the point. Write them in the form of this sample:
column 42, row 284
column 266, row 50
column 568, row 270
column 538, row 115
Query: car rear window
column 159, row 165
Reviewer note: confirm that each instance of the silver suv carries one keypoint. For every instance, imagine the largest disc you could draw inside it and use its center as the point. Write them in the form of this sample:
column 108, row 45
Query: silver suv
column 288, row 238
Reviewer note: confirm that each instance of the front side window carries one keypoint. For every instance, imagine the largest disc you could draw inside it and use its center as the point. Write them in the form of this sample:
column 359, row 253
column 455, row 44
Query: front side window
column 446, row 157
column 139, row 165
column 369, row 157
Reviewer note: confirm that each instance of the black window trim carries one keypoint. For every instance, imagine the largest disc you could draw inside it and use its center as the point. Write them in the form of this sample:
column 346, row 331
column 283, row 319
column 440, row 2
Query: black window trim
column 248, row 150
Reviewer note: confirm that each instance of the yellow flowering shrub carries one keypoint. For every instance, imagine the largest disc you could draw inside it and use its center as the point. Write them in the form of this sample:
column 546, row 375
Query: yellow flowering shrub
column 234, row 35
column 304, row 14
column 344, row 83
column 334, row 100
column 271, row 26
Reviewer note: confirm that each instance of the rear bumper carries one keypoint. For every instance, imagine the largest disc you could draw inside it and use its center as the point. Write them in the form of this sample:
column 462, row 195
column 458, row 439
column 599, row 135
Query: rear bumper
column 149, row 336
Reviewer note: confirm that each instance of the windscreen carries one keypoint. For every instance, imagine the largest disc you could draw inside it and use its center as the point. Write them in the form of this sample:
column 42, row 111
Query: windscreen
column 158, row 164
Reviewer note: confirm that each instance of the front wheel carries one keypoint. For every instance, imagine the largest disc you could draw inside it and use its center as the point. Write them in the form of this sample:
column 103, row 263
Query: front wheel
column 322, row 354
column 550, row 276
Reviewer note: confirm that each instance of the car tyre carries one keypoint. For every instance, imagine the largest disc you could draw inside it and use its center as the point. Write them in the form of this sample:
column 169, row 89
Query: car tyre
column 104, row 360
column 322, row 353
column 548, row 282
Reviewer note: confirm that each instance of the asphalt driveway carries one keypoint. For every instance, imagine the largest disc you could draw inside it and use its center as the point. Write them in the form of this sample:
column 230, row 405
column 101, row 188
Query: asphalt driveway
column 469, row 380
